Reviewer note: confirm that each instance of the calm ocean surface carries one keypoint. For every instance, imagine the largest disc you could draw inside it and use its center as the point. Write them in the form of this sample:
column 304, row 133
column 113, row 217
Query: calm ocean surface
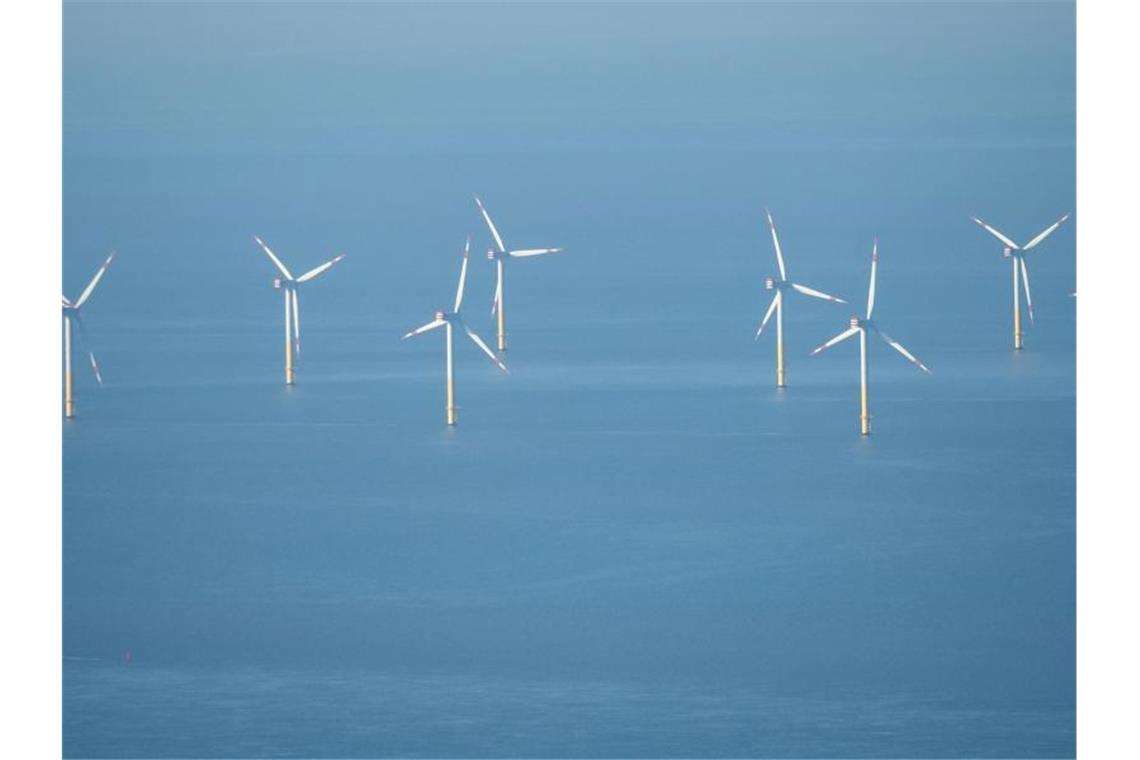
column 633, row 545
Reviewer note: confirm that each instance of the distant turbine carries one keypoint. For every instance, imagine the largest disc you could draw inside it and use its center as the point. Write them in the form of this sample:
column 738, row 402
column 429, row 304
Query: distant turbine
column 1017, row 254
column 71, row 314
column 780, row 285
column 292, row 306
column 448, row 320
column 861, row 325
column 499, row 254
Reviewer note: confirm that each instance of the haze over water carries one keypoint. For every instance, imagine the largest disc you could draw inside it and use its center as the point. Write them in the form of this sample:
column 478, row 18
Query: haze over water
column 633, row 545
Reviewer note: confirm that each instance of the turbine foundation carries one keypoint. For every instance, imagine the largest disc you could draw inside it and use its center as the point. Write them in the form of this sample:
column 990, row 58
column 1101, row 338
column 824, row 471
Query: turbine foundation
column 864, row 411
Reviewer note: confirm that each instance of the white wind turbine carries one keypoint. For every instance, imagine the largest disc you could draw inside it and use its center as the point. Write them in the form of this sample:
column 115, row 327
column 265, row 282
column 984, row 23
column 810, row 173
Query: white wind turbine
column 500, row 255
column 1017, row 255
column 860, row 325
column 450, row 320
column 71, row 315
column 292, row 306
column 781, row 285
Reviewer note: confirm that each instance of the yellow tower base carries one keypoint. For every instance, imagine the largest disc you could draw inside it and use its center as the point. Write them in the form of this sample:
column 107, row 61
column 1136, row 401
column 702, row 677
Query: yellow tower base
column 290, row 375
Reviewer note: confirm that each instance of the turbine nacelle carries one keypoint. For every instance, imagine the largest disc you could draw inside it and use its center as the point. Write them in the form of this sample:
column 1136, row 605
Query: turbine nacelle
column 857, row 321
column 769, row 283
column 1006, row 252
column 492, row 254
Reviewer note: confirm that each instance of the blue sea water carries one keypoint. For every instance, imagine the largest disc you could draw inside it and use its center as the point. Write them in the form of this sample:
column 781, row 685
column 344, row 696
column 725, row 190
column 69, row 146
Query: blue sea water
column 633, row 545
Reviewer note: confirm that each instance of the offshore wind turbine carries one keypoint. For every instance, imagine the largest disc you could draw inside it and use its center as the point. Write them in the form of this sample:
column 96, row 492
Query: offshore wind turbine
column 500, row 255
column 860, row 326
column 450, row 320
column 289, row 284
column 1017, row 255
column 781, row 285
column 71, row 316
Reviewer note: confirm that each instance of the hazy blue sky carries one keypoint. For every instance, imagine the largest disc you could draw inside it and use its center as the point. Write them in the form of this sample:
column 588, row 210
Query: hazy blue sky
column 365, row 127
column 388, row 78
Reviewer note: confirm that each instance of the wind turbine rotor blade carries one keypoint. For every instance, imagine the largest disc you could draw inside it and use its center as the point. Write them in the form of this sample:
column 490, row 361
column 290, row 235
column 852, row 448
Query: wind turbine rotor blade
column 462, row 278
column 94, row 281
column 498, row 295
column 874, row 273
column 435, row 323
column 1025, row 282
column 837, row 339
column 1046, row 232
column 776, row 242
column 276, row 261
column 486, row 349
column 95, row 367
column 296, row 323
column 318, row 270
column 87, row 345
column 996, row 233
column 899, row 347
column 494, row 232
column 768, row 314
column 816, row 293
column 532, row 252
